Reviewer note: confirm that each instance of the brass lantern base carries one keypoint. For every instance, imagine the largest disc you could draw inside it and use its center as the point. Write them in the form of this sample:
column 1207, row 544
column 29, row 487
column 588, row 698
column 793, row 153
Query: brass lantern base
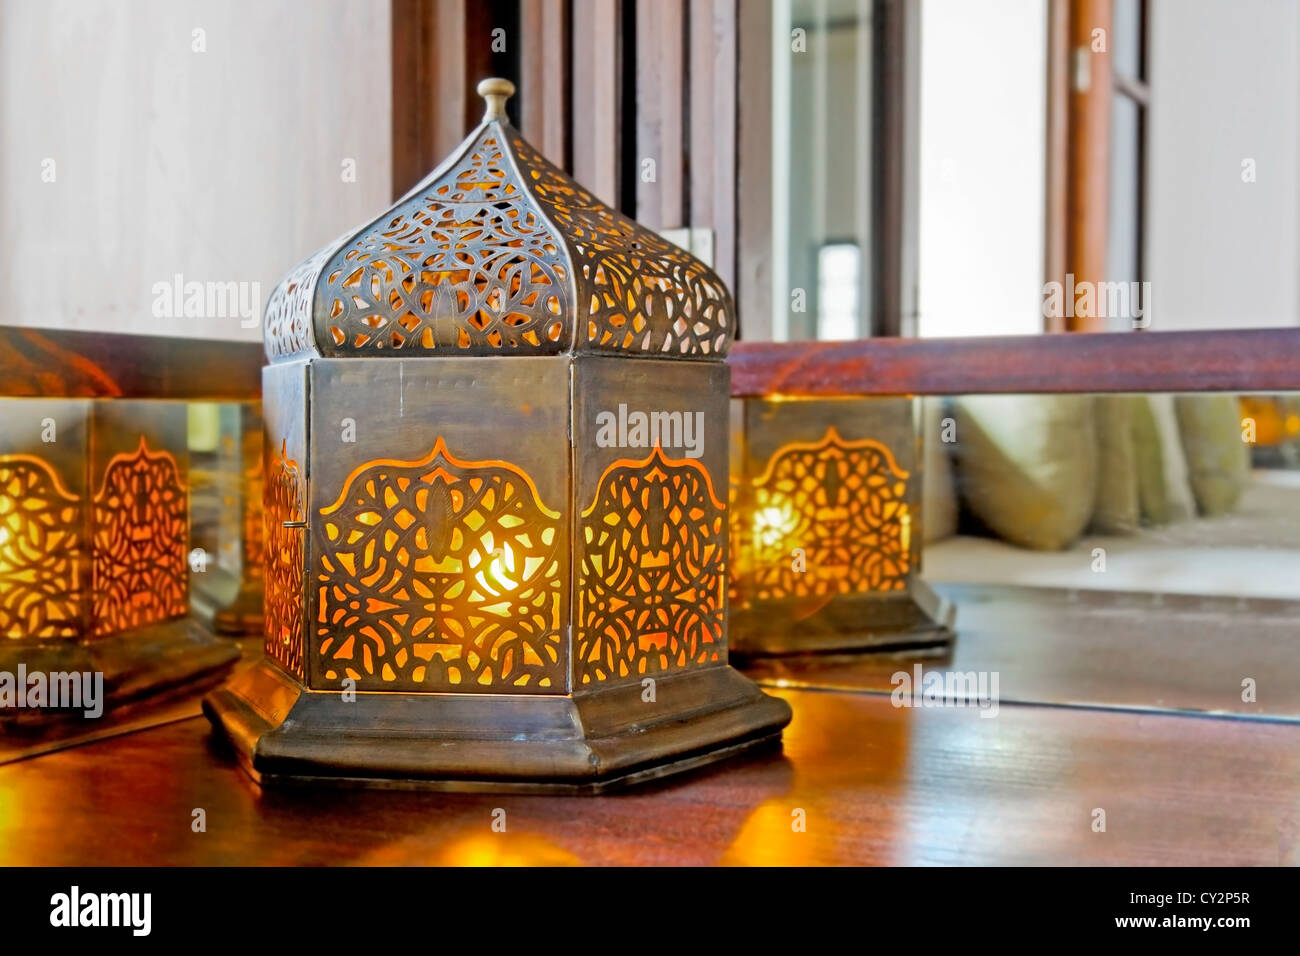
column 914, row 619
column 589, row 742
column 145, row 666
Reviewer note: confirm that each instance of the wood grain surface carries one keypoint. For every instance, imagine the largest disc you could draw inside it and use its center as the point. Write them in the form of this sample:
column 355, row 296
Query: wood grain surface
column 878, row 785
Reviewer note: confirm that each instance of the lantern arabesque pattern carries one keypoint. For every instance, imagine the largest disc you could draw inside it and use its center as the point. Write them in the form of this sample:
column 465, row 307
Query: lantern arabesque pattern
column 826, row 537
column 496, row 430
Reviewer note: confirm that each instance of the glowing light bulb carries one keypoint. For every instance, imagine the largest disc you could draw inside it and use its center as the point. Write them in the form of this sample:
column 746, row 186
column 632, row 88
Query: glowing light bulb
column 500, row 569
column 773, row 525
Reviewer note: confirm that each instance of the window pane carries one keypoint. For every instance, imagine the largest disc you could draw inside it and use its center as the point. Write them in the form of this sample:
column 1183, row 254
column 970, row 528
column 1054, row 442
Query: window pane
column 821, row 165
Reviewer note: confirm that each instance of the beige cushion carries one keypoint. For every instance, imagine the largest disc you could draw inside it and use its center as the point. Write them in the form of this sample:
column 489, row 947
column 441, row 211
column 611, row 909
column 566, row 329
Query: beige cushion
column 1218, row 461
column 1164, row 493
column 1116, row 509
column 1178, row 486
column 1148, row 458
column 1027, row 465
column 938, row 490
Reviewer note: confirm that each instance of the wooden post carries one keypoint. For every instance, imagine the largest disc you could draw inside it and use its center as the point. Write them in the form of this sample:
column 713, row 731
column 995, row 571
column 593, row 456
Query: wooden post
column 1088, row 191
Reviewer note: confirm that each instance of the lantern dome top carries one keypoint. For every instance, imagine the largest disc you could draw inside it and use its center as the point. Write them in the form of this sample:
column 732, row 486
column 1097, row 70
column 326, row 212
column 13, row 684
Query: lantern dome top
column 498, row 252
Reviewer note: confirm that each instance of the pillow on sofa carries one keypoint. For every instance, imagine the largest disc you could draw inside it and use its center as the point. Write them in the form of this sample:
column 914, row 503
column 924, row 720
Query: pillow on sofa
column 1117, row 509
column 1027, row 465
column 1178, row 484
column 1164, row 493
column 1218, row 461
column 938, row 493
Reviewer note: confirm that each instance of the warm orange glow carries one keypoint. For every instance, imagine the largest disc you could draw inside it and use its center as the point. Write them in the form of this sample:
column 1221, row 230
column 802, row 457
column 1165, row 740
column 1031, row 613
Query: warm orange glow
column 141, row 523
column 439, row 451
column 501, row 574
column 440, row 574
column 830, row 440
column 284, row 507
column 828, row 518
column 773, row 527
column 40, row 545
column 650, row 595
column 251, row 517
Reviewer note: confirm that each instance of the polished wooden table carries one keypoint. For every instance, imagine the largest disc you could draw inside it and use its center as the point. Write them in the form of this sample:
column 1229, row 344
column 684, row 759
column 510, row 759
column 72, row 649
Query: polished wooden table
column 877, row 784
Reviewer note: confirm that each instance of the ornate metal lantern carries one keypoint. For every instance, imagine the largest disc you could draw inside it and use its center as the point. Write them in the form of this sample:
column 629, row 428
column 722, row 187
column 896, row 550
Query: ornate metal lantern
column 94, row 573
column 496, row 442
column 826, row 536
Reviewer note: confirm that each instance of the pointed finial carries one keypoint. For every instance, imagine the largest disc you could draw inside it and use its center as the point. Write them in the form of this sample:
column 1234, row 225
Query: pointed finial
column 496, row 91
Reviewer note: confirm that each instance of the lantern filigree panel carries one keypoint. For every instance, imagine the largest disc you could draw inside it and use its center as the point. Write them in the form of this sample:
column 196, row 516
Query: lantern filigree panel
column 287, row 322
column 431, row 568
column 652, row 537
column 41, row 552
column 844, row 504
column 651, row 591
column 499, row 252
column 468, row 265
column 638, row 293
column 252, row 519
column 141, row 525
column 440, row 574
column 284, row 514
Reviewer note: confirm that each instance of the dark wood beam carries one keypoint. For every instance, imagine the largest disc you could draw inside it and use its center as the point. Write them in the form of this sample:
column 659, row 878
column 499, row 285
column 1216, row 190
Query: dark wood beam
column 1255, row 360
column 441, row 49
column 713, row 127
column 53, row 363
column 597, row 97
column 544, row 92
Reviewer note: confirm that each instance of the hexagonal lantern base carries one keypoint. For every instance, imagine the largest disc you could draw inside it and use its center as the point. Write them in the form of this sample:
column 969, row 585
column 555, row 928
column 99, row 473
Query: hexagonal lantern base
column 587, row 742
column 916, row 620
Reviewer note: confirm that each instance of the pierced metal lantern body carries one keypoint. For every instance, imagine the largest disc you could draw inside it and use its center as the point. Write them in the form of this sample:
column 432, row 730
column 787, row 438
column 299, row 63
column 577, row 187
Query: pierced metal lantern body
column 94, row 529
column 496, row 430
column 826, row 535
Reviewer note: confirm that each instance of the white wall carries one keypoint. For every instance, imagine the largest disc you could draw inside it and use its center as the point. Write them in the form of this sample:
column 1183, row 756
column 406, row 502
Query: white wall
column 983, row 115
column 1225, row 86
column 222, row 166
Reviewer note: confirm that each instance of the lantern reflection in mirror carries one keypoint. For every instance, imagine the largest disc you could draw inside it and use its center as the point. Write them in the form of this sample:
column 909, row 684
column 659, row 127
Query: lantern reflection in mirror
column 94, row 528
column 826, row 534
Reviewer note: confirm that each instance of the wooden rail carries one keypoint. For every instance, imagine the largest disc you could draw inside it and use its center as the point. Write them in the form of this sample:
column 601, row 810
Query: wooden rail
column 64, row 364
column 41, row 362
column 1255, row 360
